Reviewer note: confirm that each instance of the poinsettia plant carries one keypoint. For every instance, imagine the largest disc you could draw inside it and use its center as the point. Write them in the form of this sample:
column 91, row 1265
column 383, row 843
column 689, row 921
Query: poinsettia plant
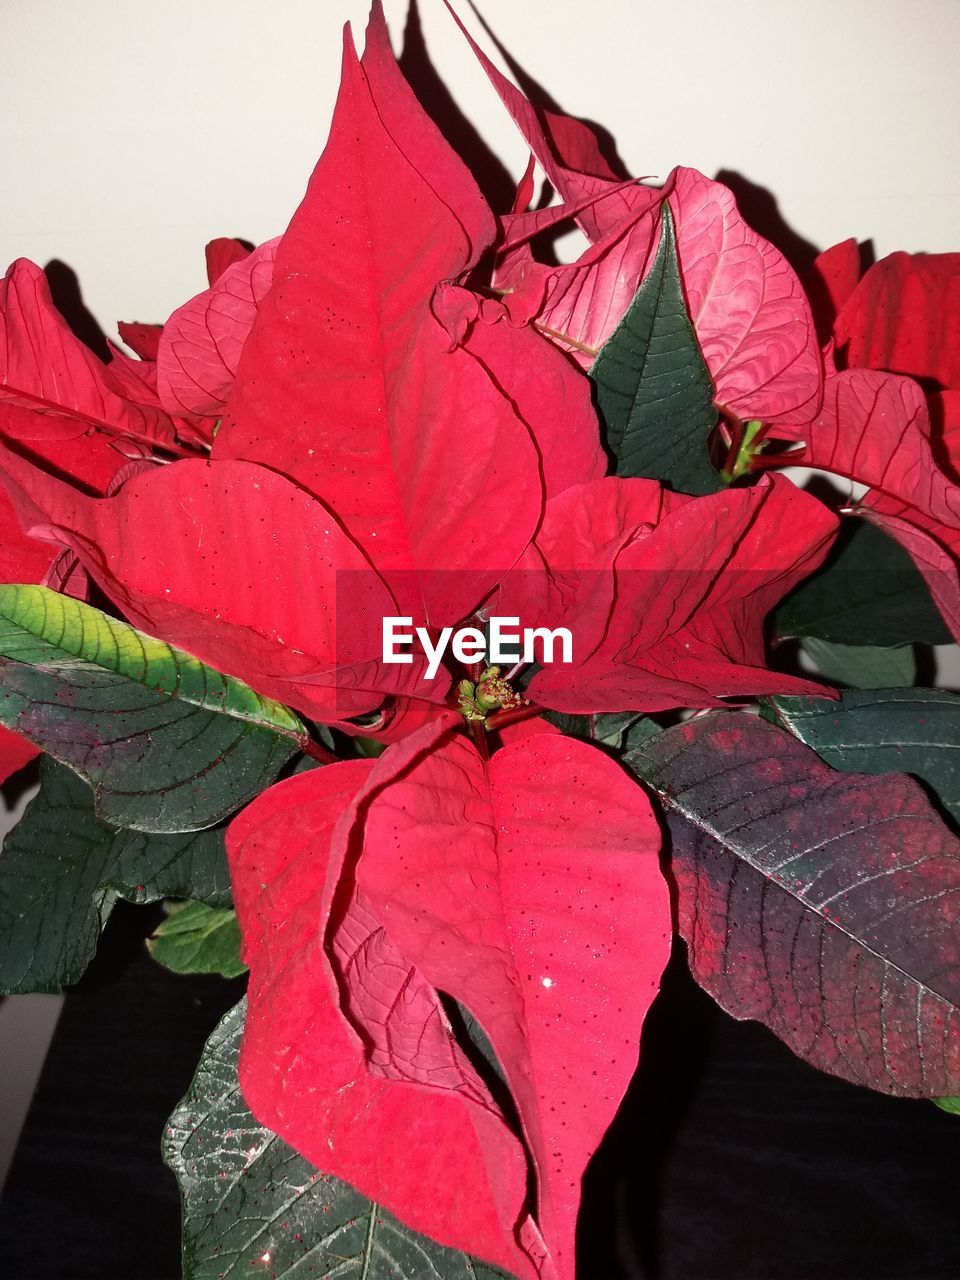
column 455, row 877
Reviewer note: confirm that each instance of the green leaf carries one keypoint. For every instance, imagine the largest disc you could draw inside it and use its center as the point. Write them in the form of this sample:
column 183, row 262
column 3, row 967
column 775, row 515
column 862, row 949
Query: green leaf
column 196, row 938
column 654, row 391
column 252, row 1206
column 889, row 731
column 863, row 666
column 166, row 742
column 949, row 1104
column 62, row 869
column 868, row 592
column 619, row 730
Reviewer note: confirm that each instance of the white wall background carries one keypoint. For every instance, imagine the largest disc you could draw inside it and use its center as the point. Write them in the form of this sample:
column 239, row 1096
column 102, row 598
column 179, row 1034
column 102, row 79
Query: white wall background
column 131, row 134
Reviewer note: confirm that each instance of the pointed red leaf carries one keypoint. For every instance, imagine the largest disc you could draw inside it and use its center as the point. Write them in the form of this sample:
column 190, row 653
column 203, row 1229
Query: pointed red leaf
column 874, row 428
column 748, row 308
column 568, row 152
column 43, row 367
column 200, row 346
column 665, row 595
column 277, row 614
column 221, row 254
column 440, row 473
column 833, row 278
column 141, row 338
column 550, row 922
column 356, row 1106
column 553, row 401
column 904, row 317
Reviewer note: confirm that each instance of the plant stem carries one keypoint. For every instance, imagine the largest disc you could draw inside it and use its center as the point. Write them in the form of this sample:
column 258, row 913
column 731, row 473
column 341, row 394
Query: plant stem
column 513, row 715
column 479, row 735
column 315, row 751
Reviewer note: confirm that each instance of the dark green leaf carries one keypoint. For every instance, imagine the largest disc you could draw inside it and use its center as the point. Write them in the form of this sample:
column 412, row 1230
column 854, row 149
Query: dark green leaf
column 949, row 1104
column 862, row 666
column 252, row 1206
column 654, row 391
column 868, row 592
column 890, row 731
column 62, row 868
column 619, row 730
column 196, row 938
column 823, row 904
column 166, row 742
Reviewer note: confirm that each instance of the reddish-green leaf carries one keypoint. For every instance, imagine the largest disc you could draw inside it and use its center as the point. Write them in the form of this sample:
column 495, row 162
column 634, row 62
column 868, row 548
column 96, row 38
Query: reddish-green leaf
column 824, row 904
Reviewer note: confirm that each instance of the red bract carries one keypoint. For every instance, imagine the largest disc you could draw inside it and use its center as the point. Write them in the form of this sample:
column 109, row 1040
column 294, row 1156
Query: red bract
column 303, row 1067
column 236, row 565
column 549, row 921
column 53, row 392
column 199, row 349
column 903, row 317
column 748, row 309
column 351, row 386
column 44, row 368
column 665, row 595
column 221, row 254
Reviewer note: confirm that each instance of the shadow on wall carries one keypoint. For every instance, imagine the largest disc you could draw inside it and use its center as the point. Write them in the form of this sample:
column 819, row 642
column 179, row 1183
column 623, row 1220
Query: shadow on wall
column 68, row 299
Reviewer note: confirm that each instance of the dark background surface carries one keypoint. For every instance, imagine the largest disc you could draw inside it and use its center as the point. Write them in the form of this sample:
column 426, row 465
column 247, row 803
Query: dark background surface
column 731, row 1160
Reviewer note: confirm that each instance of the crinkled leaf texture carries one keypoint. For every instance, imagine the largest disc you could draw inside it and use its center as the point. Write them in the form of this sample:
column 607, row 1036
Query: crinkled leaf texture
column 62, row 869
column 167, row 743
column 548, row 919
column 253, row 1206
column 44, row 368
column 350, row 385
column 748, row 308
column 664, row 595
column 199, row 349
column 823, row 904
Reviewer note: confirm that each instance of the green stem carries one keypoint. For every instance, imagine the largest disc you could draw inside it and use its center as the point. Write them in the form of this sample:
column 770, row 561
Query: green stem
column 746, row 451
